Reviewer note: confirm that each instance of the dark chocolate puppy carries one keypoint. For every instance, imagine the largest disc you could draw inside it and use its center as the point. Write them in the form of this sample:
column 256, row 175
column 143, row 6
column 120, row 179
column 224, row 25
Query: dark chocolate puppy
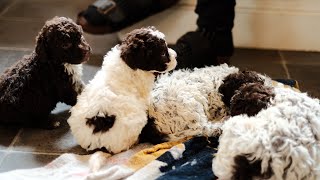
column 31, row 88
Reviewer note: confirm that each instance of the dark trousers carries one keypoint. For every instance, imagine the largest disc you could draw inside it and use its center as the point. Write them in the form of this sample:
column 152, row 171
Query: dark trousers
column 215, row 14
column 216, row 17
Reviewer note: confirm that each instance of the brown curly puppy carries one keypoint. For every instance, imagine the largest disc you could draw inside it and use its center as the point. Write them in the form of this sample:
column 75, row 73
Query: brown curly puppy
column 250, row 99
column 31, row 88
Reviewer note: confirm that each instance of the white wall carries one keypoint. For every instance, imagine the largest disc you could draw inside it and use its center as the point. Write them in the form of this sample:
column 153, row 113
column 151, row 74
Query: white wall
column 272, row 24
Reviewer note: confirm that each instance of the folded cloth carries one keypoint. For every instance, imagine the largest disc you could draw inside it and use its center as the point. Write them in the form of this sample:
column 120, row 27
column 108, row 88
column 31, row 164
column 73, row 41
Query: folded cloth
column 73, row 167
column 189, row 160
column 172, row 160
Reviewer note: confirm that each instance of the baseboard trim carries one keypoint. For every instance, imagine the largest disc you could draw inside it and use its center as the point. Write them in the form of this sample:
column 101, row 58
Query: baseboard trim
column 272, row 24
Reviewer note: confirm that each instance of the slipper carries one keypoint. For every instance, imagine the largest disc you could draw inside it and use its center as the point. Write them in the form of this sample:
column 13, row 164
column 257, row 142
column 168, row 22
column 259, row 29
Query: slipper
column 108, row 16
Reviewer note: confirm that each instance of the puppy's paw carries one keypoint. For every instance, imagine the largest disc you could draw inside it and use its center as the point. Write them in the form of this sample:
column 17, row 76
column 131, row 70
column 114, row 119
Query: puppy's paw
column 97, row 160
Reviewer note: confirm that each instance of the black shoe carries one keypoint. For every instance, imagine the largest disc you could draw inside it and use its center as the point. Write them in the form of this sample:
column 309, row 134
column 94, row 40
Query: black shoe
column 108, row 16
column 201, row 48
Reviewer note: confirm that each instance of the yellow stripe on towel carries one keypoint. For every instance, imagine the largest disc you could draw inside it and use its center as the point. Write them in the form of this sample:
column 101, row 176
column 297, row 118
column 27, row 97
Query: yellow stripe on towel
column 144, row 157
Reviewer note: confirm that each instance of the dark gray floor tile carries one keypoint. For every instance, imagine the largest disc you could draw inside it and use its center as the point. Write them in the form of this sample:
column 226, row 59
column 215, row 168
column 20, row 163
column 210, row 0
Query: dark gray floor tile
column 101, row 44
column 304, row 67
column 45, row 9
column 17, row 160
column 311, row 87
column 7, row 134
column 58, row 140
column 4, row 4
column 11, row 36
column 9, row 57
column 89, row 72
column 301, row 58
column 91, row 67
column 263, row 61
column 307, row 76
column 61, row 109
column 19, row 34
column 95, row 60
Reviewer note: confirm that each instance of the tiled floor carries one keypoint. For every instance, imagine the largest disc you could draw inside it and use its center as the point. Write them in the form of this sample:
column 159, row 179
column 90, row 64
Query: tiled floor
column 20, row 21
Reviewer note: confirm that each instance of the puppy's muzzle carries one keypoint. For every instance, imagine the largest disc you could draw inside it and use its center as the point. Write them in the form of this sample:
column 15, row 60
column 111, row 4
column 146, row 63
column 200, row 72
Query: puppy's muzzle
column 85, row 48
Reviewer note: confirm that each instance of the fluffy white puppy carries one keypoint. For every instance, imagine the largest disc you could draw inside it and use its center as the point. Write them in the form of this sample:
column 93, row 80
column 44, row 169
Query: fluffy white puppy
column 280, row 142
column 112, row 109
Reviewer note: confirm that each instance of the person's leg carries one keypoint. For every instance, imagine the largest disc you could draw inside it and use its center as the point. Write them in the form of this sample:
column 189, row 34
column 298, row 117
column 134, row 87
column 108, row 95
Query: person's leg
column 211, row 43
column 216, row 21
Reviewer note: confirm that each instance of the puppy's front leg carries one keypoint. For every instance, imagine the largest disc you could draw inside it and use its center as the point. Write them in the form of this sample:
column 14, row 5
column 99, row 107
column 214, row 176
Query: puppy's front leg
column 70, row 84
column 71, row 92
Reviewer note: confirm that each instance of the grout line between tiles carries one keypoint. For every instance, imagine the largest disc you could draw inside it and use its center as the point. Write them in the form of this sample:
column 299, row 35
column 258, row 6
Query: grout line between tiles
column 284, row 64
column 15, row 139
column 8, row 7
column 22, row 19
column 37, row 153
column 6, row 153
column 15, row 48
column 10, row 147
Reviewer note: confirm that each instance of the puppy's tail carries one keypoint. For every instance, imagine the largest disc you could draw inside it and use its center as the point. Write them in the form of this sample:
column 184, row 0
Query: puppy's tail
column 97, row 160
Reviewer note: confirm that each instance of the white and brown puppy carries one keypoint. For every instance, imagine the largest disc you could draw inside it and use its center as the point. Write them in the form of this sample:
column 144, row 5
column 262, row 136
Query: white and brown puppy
column 281, row 141
column 186, row 103
column 112, row 109
column 194, row 102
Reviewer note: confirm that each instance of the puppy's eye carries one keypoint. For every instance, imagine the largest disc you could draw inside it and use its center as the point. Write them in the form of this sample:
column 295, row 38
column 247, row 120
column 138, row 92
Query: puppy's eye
column 66, row 45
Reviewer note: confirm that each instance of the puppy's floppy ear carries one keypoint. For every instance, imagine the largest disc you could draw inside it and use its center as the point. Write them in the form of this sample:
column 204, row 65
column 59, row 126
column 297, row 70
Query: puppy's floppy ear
column 41, row 45
column 132, row 52
column 233, row 82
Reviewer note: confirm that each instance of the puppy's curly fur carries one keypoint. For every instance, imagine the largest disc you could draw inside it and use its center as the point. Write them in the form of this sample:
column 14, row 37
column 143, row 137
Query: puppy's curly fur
column 234, row 81
column 31, row 88
column 112, row 109
column 246, row 92
column 282, row 141
column 250, row 99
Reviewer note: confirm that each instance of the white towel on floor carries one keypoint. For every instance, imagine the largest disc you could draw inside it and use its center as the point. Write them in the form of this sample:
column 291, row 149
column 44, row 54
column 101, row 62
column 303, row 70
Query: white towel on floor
column 76, row 167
